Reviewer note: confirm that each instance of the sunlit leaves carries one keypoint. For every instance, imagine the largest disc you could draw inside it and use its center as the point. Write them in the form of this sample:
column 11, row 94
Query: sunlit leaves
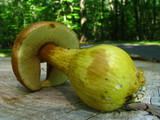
column 100, row 15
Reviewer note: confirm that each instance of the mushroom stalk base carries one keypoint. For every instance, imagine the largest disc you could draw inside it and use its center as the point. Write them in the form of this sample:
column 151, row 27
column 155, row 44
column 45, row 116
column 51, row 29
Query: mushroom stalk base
column 57, row 56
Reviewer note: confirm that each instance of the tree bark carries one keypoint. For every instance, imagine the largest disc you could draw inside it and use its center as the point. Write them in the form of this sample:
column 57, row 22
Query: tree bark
column 83, row 21
column 154, row 18
column 102, row 21
column 136, row 18
column 116, row 20
column 123, row 24
column 94, row 23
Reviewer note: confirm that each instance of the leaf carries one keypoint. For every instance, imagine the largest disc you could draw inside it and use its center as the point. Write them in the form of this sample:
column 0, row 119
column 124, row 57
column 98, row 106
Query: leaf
column 69, row 16
column 76, row 8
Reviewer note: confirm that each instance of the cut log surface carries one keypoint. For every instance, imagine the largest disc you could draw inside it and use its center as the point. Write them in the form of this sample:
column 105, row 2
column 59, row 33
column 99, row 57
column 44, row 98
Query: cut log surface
column 62, row 103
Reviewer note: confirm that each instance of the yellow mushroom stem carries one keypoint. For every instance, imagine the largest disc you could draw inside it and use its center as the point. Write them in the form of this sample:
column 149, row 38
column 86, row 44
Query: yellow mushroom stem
column 57, row 56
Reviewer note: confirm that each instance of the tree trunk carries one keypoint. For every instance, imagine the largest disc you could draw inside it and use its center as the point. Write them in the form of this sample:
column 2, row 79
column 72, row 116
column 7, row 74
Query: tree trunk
column 96, row 38
column 136, row 18
column 123, row 24
column 83, row 21
column 116, row 21
column 102, row 21
column 154, row 18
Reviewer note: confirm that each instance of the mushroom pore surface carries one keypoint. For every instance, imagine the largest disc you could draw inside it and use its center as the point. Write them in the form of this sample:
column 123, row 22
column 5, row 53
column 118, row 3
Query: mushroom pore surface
column 25, row 61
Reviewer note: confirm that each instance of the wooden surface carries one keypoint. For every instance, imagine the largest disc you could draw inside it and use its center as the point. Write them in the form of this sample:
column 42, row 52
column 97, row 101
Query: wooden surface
column 61, row 102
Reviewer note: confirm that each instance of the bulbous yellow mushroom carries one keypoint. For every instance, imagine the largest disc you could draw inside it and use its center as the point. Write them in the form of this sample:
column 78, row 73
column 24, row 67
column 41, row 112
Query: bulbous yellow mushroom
column 104, row 76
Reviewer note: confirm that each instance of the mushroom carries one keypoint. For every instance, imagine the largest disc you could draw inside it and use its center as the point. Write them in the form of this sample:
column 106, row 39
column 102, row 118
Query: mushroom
column 103, row 76
column 25, row 60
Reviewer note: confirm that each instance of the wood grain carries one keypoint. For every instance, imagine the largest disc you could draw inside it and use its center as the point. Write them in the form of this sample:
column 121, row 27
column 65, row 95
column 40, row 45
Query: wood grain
column 61, row 102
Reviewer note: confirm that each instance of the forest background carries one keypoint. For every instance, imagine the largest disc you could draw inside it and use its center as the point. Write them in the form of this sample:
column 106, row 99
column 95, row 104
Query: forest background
column 92, row 20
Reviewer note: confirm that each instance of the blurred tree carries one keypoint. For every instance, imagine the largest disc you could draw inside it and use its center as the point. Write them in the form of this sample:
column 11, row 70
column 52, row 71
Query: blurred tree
column 83, row 21
column 92, row 20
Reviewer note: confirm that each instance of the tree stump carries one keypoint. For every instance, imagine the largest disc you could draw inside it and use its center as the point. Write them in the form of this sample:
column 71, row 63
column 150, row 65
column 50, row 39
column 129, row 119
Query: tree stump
column 61, row 102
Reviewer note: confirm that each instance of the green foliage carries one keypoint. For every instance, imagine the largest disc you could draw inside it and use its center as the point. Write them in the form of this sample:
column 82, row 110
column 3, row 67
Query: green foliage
column 5, row 52
column 117, row 20
column 17, row 14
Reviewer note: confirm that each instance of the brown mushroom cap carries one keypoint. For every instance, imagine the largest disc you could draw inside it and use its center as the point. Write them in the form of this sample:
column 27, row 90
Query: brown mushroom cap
column 25, row 61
